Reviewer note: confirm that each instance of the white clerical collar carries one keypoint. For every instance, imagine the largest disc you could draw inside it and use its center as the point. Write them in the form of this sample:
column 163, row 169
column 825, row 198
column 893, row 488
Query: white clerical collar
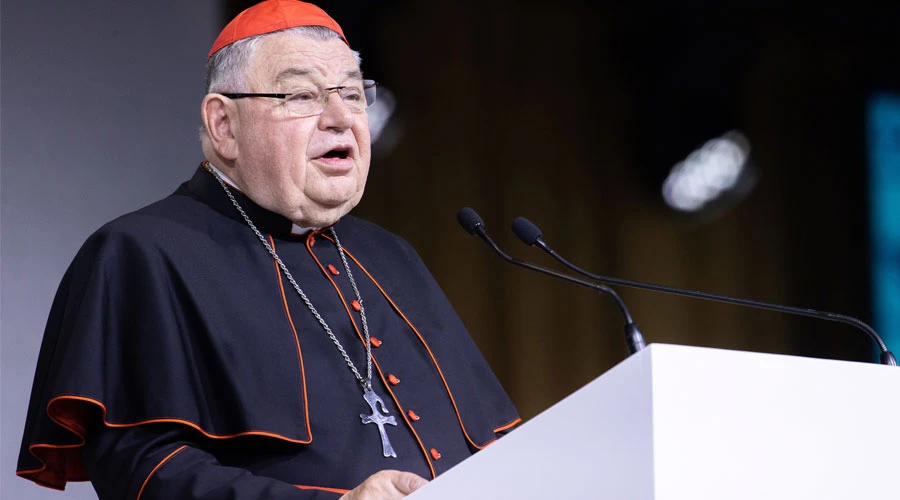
column 295, row 229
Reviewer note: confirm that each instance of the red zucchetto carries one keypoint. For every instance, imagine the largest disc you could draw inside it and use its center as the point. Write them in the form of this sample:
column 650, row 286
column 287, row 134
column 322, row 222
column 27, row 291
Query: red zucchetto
column 274, row 15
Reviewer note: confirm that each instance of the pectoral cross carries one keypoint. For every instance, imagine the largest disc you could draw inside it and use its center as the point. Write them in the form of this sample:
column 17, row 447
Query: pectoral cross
column 378, row 419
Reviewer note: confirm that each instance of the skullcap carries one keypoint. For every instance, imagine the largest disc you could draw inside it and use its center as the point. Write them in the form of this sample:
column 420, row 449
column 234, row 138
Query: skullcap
column 274, row 15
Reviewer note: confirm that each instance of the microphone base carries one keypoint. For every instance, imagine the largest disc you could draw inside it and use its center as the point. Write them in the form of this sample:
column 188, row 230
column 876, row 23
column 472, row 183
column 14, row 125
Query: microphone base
column 633, row 338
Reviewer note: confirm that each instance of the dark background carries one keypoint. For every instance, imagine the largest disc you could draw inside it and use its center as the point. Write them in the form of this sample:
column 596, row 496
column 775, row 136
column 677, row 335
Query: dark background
column 571, row 114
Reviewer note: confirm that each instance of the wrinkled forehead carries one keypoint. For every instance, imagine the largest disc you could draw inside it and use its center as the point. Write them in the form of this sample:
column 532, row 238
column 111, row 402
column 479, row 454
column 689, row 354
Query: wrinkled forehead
column 283, row 58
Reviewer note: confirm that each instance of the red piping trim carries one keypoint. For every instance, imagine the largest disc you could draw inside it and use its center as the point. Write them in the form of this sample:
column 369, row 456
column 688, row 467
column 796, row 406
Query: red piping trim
column 374, row 360
column 75, row 472
column 322, row 488
column 287, row 312
column 430, row 354
column 508, row 426
column 35, row 474
column 160, row 464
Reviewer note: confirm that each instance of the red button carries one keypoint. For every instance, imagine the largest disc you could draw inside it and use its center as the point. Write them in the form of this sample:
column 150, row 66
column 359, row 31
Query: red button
column 356, row 305
column 333, row 270
column 375, row 342
column 435, row 454
column 393, row 380
column 413, row 416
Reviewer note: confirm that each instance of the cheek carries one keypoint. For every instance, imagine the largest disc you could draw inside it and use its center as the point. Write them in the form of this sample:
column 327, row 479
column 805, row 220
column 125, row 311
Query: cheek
column 364, row 143
column 281, row 151
column 257, row 140
column 363, row 138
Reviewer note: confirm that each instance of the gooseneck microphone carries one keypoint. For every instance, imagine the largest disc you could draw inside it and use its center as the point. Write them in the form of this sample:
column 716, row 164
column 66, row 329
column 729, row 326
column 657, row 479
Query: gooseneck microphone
column 531, row 236
column 472, row 223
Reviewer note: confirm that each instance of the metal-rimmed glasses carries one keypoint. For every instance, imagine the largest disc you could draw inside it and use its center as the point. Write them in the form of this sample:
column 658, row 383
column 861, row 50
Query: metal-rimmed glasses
column 311, row 101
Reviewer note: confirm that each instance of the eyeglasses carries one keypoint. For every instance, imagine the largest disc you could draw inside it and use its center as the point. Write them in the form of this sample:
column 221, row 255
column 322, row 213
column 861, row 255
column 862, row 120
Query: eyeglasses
column 311, row 101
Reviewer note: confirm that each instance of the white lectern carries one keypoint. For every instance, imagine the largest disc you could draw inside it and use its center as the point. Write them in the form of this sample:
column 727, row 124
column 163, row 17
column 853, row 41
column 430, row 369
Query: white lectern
column 677, row 422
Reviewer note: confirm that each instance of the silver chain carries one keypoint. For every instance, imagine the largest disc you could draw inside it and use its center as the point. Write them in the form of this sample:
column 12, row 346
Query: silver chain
column 365, row 382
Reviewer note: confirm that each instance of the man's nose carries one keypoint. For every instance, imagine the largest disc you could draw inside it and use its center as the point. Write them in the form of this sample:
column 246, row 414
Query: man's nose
column 337, row 115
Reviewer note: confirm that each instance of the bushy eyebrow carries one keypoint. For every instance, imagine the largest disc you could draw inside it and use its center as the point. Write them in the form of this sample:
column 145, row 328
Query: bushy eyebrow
column 357, row 74
column 295, row 72
column 290, row 73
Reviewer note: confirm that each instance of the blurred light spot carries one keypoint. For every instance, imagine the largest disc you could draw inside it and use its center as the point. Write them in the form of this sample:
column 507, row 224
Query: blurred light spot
column 707, row 173
column 380, row 112
column 883, row 130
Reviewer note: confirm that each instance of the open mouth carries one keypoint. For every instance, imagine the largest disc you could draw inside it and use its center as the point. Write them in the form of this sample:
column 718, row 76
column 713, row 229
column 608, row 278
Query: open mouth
column 339, row 153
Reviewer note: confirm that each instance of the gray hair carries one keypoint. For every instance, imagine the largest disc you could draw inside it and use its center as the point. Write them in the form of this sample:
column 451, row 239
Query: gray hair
column 226, row 69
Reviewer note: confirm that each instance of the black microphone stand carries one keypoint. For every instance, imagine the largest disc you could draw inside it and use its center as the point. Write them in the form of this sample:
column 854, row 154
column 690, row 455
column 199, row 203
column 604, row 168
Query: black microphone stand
column 472, row 223
column 531, row 235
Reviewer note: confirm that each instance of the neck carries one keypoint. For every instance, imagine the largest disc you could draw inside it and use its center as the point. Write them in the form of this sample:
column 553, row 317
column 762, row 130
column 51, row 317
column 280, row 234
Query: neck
column 295, row 229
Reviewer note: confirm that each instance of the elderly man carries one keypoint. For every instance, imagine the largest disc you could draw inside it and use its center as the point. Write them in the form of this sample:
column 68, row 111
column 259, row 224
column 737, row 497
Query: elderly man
column 244, row 338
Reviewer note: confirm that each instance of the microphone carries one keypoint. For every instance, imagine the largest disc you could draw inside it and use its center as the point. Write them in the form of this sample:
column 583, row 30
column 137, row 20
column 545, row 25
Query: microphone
column 531, row 236
column 472, row 223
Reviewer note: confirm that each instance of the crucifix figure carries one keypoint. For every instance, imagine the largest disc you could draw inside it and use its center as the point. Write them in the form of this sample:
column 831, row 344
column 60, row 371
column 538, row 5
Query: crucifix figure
column 378, row 419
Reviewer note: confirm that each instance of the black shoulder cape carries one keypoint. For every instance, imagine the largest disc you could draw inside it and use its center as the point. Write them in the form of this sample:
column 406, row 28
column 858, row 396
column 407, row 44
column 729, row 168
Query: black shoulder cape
column 177, row 314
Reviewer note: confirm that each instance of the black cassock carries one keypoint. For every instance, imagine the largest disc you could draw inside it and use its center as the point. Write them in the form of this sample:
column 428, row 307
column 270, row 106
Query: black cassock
column 178, row 361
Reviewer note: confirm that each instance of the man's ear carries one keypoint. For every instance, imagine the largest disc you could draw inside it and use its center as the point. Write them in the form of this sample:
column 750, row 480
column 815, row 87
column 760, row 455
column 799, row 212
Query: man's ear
column 219, row 115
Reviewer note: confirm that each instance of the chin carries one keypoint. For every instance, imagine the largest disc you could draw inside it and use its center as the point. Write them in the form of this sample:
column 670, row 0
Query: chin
column 323, row 216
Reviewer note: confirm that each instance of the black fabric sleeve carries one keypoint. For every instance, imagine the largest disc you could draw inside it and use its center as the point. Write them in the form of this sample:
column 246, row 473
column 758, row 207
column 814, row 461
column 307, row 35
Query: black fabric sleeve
column 162, row 462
